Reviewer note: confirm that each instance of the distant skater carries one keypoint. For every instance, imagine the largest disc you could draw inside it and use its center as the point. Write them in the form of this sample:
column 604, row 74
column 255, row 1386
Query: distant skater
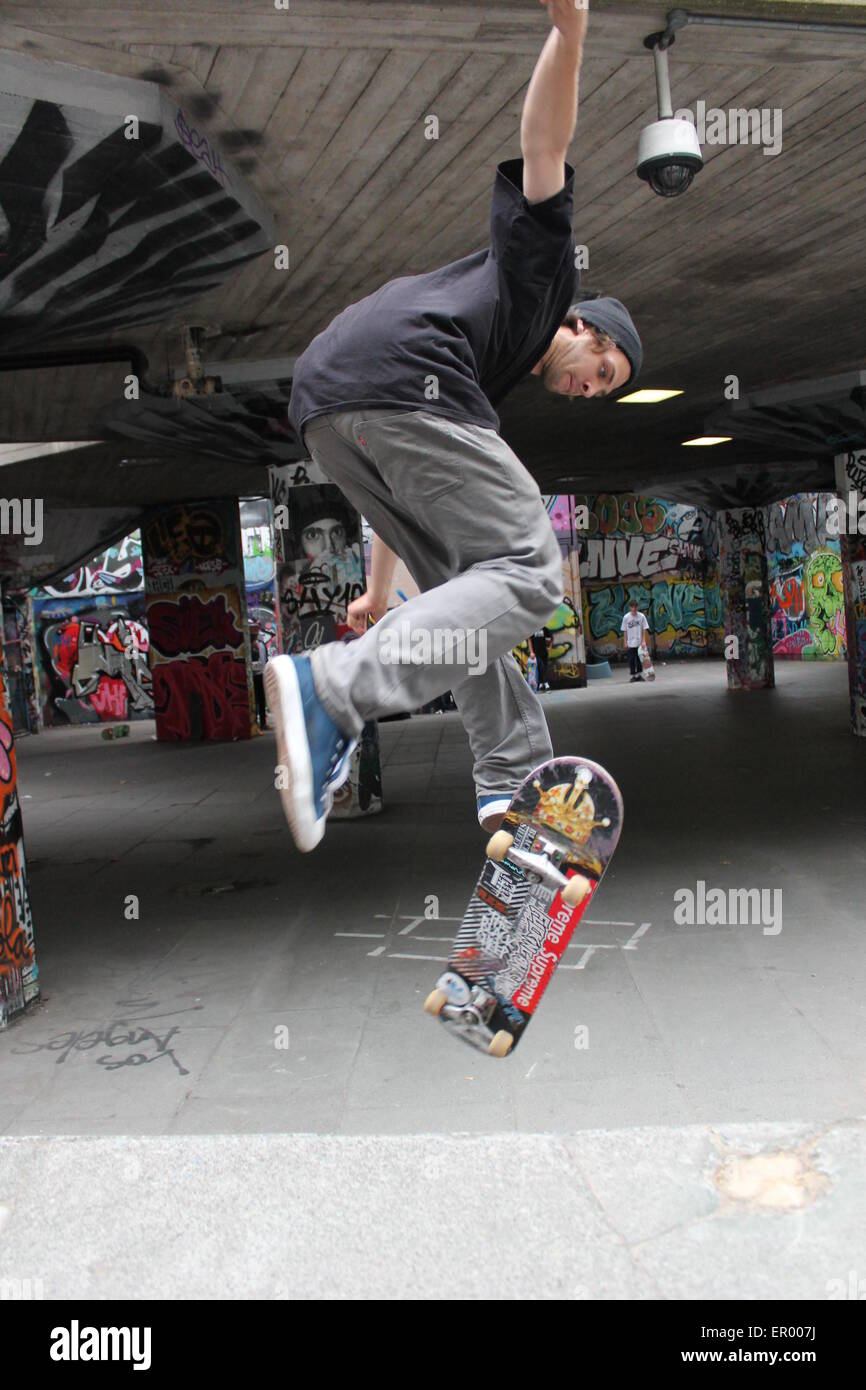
column 633, row 627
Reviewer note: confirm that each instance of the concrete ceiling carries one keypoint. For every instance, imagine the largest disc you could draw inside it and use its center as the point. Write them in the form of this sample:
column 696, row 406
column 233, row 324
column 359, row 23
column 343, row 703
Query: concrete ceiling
column 756, row 272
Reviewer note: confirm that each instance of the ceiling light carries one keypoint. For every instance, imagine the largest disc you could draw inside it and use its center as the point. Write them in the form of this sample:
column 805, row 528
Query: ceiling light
column 706, row 439
column 647, row 397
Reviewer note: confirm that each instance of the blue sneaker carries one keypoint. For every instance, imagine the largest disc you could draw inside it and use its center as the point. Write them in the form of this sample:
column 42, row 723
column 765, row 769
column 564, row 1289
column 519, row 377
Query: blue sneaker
column 491, row 810
column 313, row 751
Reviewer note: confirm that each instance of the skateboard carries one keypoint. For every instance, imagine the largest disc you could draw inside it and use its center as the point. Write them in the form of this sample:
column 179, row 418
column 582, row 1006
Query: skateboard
column 116, row 731
column 542, row 871
column 646, row 662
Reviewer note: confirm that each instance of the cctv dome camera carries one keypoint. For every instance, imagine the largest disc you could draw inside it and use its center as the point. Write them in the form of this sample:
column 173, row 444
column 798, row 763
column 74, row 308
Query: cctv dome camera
column 669, row 156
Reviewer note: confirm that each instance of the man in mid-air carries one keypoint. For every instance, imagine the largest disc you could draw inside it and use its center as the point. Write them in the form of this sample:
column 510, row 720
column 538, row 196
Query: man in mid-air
column 395, row 401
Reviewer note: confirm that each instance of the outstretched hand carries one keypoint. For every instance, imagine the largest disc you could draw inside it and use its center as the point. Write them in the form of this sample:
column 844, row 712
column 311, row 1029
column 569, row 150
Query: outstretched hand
column 569, row 17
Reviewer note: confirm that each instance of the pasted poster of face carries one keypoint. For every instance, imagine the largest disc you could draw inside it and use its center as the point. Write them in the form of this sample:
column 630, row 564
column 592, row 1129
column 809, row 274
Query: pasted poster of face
column 322, row 568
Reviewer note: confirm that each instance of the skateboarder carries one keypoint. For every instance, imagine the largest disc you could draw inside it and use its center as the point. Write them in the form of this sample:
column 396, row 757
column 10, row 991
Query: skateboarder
column 539, row 642
column 633, row 627
column 395, row 401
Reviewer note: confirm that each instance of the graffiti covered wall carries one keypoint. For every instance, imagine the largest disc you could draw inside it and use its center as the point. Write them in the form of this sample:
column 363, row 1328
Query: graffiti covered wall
column 92, row 640
column 805, row 573
column 196, row 618
column 94, row 663
column 116, row 570
column 18, row 969
column 665, row 555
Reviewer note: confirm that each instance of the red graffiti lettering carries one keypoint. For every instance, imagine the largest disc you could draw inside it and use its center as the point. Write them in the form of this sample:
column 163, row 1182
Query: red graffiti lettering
column 110, row 699
column 788, row 593
column 217, row 685
column 189, row 625
column 64, row 649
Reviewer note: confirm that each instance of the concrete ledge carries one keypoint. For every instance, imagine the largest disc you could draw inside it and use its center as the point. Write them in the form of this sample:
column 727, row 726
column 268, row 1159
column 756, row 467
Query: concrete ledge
column 629, row 1214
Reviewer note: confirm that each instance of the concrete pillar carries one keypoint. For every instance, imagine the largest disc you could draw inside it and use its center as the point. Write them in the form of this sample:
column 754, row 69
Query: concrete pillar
column 320, row 569
column 18, row 970
column 567, row 652
column 197, row 621
column 19, row 645
column 745, row 591
column 851, row 525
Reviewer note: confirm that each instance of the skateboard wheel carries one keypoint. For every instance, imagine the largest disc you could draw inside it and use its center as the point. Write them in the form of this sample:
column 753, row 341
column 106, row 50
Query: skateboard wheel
column 575, row 890
column 435, row 1002
column 501, row 1043
column 498, row 845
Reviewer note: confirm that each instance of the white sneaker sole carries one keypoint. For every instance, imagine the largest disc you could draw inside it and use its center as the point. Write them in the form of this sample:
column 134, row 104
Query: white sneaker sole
column 284, row 698
column 490, row 819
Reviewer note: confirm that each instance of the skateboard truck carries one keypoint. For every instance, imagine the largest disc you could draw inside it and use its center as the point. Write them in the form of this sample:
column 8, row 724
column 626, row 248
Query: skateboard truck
column 501, row 846
column 469, row 1008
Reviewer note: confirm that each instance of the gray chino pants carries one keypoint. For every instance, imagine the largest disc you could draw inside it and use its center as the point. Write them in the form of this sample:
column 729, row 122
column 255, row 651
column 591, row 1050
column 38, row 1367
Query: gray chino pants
column 458, row 507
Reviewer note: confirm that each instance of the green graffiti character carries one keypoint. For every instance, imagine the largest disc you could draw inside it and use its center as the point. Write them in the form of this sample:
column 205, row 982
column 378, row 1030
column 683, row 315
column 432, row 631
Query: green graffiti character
column 825, row 605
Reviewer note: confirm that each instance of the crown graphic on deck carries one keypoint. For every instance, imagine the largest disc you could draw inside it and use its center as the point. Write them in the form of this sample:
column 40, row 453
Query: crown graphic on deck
column 569, row 808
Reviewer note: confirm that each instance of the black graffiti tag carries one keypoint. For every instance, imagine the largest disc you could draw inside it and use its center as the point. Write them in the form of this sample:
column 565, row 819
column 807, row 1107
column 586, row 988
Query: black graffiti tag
column 83, row 1041
column 117, row 1034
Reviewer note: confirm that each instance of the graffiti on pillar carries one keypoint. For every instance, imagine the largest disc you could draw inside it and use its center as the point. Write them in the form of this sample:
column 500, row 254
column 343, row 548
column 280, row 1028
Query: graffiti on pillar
column 18, row 969
column 566, row 653
column 854, row 554
column 566, row 649
column 257, row 543
column 21, row 679
column 665, row 555
column 745, row 597
column 805, row 573
column 851, row 478
column 196, row 622
column 320, row 571
column 825, row 605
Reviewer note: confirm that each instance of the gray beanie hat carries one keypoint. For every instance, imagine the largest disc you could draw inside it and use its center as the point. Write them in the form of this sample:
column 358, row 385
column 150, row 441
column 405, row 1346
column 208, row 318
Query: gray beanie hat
column 614, row 318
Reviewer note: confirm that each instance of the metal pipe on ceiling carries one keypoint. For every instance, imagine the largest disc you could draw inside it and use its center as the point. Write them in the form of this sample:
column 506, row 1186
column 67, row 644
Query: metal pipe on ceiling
column 85, row 357
column 678, row 19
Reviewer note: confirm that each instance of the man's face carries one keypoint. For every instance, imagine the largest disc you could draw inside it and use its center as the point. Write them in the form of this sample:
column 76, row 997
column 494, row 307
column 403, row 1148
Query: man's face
column 576, row 366
column 325, row 537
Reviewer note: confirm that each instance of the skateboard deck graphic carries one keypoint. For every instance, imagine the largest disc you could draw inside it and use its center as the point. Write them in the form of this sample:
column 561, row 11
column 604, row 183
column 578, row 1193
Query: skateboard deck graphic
column 646, row 662
column 542, row 871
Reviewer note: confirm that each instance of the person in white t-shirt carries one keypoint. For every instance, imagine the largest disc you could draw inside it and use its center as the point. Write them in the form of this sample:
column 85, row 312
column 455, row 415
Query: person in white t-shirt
column 633, row 627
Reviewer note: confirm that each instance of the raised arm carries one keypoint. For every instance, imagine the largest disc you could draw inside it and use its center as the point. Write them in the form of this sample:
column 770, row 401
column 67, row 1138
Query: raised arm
column 550, row 109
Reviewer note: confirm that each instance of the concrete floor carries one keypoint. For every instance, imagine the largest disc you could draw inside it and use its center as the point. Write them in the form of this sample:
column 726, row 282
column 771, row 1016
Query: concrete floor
column 262, row 993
